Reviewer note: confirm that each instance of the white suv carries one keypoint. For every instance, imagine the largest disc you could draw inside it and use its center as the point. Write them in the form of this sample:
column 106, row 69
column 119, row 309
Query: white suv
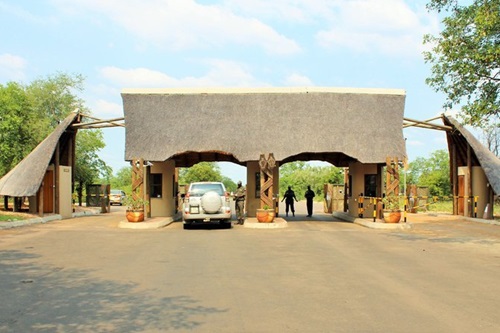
column 206, row 202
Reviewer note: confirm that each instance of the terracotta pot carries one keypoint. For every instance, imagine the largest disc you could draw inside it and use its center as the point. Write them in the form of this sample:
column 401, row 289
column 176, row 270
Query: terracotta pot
column 261, row 215
column 135, row 215
column 265, row 215
column 392, row 216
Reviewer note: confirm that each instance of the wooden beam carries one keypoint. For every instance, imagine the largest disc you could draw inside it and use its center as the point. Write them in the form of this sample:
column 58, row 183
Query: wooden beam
column 425, row 124
column 111, row 123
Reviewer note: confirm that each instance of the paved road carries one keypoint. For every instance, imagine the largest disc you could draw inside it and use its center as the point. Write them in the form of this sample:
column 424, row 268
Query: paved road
column 317, row 275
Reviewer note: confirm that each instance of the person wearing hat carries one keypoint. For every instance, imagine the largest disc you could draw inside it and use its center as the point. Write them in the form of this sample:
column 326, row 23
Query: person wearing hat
column 239, row 203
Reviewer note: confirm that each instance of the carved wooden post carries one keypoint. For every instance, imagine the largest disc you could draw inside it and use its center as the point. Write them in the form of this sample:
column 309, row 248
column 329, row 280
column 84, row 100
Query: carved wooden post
column 392, row 180
column 267, row 166
column 137, row 179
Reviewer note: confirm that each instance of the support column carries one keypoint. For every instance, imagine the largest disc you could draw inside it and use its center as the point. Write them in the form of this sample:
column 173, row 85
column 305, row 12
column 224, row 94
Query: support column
column 470, row 201
column 40, row 198
column 138, row 179
column 454, row 177
column 57, row 175
column 267, row 166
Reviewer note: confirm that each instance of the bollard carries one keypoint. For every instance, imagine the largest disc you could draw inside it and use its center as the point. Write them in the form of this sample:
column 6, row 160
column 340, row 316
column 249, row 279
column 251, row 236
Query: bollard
column 405, row 207
column 475, row 206
column 360, row 206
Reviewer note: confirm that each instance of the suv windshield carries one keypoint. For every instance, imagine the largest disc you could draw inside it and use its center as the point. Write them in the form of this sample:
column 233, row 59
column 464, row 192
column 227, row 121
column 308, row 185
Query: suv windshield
column 197, row 190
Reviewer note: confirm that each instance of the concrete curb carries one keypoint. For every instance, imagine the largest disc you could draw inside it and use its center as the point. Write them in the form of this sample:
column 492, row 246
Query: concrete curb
column 252, row 223
column 473, row 219
column 370, row 224
column 153, row 223
column 44, row 219
column 150, row 223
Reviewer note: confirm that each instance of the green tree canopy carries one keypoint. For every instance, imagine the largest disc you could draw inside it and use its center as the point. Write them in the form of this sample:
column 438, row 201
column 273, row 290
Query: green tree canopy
column 17, row 120
column 200, row 172
column 465, row 58
column 299, row 175
column 28, row 113
column 433, row 172
column 122, row 180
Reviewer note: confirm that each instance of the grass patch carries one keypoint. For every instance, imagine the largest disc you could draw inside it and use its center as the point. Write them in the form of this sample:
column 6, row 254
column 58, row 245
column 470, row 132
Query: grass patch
column 441, row 206
column 446, row 206
column 8, row 218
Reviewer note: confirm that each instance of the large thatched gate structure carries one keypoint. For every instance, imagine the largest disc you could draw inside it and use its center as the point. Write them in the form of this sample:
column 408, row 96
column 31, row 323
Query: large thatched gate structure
column 171, row 128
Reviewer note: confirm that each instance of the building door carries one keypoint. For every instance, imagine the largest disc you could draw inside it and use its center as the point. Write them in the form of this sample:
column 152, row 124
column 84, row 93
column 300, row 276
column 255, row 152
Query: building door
column 461, row 193
column 48, row 192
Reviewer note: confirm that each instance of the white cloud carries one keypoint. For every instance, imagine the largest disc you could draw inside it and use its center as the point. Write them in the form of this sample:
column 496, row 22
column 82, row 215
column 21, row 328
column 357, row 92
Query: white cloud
column 389, row 27
column 12, row 67
column 105, row 109
column 25, row 15
column 222, row 73
column 185, row 24
column 415, row 143
column 137, row 77
column 298, row 80
column 298, row 11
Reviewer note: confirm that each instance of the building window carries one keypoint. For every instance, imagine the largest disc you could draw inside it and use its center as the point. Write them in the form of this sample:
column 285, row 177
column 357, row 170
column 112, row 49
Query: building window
column 156, row 185
column 370, row 185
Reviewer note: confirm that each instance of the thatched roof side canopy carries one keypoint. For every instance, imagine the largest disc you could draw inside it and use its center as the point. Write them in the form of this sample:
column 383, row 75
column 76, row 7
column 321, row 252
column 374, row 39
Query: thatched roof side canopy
column 481, row 156
column 26, row 177
column 352, row 124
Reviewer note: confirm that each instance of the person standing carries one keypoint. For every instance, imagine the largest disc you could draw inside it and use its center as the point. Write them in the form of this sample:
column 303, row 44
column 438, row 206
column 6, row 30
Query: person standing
column 309, row 200
column 239, row 203
column 289, row 196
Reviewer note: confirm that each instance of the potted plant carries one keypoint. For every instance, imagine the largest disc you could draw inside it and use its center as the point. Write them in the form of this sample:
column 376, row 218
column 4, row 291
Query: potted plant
column 392, row 212
column 265, row 214
column 135, row 208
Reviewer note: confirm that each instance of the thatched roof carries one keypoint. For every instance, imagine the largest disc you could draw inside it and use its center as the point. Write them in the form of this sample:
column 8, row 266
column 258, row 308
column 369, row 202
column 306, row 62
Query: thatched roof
column 26, row 177
column 481, row 156
column 330, row 124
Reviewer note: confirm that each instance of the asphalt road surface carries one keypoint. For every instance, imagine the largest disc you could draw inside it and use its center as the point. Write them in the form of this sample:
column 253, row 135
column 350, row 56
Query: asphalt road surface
column 316, row 275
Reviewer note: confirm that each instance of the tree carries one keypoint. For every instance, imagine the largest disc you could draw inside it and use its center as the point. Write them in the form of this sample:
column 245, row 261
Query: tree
column 465, row 58
column 123, row 179
column 29, row 113
column 299, row 175
column 201, row 172
column 88, row 164
column 229, row 184
column 491, row 137
column 433, row 172
column 16, row 126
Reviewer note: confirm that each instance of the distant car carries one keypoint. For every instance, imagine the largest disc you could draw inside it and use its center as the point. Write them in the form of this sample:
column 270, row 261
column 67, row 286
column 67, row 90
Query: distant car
column 116, row 197
column 206, row 202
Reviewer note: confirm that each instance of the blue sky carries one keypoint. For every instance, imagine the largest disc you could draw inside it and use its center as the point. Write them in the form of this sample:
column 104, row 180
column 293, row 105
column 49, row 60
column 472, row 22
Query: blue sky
column 119, row 44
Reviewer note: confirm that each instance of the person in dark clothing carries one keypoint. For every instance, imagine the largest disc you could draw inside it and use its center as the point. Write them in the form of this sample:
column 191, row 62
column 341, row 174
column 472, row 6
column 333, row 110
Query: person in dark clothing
column 289, row 196
column 309, row 200
column 239, row 203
